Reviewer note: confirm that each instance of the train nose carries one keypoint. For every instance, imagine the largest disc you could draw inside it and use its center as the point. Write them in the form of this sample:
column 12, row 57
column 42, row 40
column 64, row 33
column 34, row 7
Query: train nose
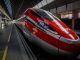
column 73, row 35
column 74, row 38
column 70, row 39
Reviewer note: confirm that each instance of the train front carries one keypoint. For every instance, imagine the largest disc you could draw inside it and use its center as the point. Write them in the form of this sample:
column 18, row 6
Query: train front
column 68, row 39
column 56, row 31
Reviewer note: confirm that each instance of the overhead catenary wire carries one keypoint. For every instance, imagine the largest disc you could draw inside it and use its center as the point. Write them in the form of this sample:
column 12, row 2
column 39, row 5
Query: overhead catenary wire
column 19, row 8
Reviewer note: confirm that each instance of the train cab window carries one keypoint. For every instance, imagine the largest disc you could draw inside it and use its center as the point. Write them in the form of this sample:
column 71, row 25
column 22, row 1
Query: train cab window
column 54, row 17
column 35, row 14
column 43, row 14
column 46, row 14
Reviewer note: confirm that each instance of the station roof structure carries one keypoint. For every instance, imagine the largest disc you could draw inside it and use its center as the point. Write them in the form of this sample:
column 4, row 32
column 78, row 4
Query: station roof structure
column 14, row 8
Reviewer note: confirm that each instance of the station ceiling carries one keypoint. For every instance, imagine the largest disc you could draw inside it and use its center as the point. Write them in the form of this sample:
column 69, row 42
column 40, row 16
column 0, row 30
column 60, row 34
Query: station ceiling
column 19, row 6
column 57, row 3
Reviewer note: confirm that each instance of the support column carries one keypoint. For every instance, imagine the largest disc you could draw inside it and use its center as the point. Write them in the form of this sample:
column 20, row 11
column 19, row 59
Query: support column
column 75, row 16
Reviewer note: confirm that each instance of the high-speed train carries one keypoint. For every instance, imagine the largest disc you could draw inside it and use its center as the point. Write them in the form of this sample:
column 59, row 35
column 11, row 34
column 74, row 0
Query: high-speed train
column 50, row 33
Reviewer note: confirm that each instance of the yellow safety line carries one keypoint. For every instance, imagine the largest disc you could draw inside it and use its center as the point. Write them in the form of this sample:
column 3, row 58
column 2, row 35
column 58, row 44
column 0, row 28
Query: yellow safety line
column 9, row 37
column 6, row 48
column 5, row 53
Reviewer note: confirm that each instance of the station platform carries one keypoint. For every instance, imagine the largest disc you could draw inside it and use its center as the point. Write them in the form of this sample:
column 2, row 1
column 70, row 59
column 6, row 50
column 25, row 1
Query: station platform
column 11, row 46
column 14, row 45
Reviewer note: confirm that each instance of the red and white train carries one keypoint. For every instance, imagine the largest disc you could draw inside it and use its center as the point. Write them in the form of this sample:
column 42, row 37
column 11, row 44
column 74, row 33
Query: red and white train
column 51, row 33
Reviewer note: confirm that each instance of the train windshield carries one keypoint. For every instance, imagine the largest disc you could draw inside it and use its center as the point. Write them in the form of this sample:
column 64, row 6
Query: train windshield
column 46, row 14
